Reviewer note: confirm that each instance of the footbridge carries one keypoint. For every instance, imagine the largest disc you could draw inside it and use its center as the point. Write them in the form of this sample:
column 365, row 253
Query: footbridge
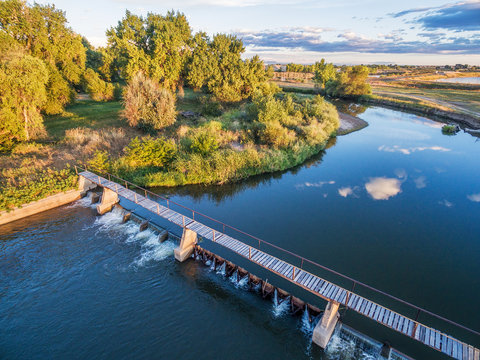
column 193, row 225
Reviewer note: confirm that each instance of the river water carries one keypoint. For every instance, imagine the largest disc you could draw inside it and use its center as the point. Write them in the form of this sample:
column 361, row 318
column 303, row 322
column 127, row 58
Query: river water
column 395, row 205
column 462, row 80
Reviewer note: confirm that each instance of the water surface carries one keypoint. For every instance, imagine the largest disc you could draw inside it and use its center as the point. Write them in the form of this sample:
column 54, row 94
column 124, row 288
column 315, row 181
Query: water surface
column 461, row 80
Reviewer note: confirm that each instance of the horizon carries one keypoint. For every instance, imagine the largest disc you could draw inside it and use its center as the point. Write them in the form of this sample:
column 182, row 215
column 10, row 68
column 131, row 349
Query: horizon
column 371, row 32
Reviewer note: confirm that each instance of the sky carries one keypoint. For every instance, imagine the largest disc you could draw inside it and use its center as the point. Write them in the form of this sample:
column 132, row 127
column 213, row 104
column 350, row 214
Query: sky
column 430, row 32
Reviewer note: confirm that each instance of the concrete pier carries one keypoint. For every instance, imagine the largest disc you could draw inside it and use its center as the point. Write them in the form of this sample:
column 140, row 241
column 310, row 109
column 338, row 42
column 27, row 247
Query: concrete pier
column 84, row 185
column 109, row 199
column 324, row 329
column 187, row 244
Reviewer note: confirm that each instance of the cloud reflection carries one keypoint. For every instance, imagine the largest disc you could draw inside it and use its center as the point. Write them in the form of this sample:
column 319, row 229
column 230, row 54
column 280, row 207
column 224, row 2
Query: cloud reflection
column 345, row 191
column 317, row 184
column 474, row 197
column 420, row 182
column 383, row 188
column 410, row 150
column 445, row 203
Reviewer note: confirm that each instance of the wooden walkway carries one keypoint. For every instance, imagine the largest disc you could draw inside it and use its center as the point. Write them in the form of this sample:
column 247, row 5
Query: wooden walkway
column 310, row 282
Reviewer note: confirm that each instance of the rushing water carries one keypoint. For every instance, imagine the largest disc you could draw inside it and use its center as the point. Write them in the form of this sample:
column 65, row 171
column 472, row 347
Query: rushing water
column 395, row 205
column 462, row 80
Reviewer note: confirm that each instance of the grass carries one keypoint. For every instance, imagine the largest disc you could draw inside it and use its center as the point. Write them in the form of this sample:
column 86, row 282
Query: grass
column 87, row 114
column 467, row 101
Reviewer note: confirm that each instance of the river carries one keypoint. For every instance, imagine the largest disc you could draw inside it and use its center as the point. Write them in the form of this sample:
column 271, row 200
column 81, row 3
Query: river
column 461, row 80
column 395, row 205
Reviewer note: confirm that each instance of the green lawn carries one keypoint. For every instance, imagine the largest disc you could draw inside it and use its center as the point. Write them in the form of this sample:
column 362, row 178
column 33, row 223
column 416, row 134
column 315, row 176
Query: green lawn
column 85, row 113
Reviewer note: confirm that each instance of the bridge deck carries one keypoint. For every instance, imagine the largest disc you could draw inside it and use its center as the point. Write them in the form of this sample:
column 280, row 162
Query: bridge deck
column 310, row 282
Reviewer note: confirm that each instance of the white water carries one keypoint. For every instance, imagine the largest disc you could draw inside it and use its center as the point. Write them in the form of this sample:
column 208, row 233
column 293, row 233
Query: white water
column 280, row 307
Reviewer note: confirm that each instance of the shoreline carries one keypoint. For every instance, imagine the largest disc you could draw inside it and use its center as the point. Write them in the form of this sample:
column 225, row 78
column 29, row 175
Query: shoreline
column 429, row 111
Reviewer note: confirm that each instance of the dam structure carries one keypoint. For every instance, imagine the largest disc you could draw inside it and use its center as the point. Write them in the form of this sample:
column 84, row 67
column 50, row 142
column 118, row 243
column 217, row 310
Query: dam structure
column 194, row 228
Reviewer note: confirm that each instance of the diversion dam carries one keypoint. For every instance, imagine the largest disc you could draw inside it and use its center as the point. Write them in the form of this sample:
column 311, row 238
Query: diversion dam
column 200, row 231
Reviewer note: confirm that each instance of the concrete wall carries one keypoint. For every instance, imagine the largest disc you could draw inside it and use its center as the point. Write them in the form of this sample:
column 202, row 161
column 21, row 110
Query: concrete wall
column 39, row 206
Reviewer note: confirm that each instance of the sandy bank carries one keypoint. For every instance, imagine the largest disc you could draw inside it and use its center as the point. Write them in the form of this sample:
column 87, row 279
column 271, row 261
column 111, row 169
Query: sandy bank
column 349, row 123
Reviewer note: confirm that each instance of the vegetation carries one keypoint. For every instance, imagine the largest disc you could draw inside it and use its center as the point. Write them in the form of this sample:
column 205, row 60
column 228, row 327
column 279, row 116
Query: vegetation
column 323, row 73
column 27, row 184
column 98, row 89
column 350, row 82
column 449, row 129
column 147, row 105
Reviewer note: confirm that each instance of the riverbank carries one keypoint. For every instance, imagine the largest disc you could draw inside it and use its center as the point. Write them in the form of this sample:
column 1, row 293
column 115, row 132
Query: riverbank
column 35, row 207
column 424, row 108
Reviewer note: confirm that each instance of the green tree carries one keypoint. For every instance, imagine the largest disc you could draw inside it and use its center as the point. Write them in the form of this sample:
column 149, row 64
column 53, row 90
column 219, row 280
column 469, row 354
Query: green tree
column 42, row 32
column 199, row 66
column 351, row 81
column 98, row 89
column 323, row 72
column 156, row 45
column 147, row 105
column 22, row 94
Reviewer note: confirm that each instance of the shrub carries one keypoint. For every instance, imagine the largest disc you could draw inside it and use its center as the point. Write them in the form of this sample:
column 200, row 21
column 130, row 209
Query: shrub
column 59, row 93
column 204, row 144
column 100, row 161
column 147, row 105
column 273, row 133
column 210, row 106
column 149, row 152
column 98, row 89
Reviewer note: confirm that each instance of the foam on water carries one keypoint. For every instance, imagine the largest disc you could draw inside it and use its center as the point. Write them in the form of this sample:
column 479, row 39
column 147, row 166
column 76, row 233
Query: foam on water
column 86, row 201
column 345, row 345
column 280, row 308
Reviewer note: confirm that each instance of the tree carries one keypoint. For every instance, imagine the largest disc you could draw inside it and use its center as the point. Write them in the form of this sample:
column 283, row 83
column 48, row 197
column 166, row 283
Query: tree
column 199, row 67
column 22, row 94
column 323, row 72
column 41, row 31
column 98, row 89
column 156, row 45
column 351, row 81
column 147, row 105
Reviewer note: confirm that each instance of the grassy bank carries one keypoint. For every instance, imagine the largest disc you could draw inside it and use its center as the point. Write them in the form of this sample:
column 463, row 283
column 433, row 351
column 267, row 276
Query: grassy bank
column 233, row 142
column 214, row 143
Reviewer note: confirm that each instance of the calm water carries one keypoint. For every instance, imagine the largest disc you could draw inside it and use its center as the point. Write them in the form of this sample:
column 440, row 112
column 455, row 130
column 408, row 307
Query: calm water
column 396, row 205
column 462, row 80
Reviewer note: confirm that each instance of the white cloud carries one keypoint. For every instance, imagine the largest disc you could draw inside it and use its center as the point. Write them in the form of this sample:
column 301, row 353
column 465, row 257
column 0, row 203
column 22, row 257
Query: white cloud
column 420, row 182
column 345, row 191
column 382, row 188
column 410, row 150
column 474, row 197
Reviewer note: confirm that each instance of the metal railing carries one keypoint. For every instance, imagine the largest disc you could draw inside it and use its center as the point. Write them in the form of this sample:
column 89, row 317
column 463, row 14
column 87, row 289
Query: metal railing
column 302, row 260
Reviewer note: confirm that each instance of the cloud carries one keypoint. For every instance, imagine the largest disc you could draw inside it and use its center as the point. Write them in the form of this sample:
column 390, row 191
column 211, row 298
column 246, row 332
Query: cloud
column 461, row 16
column 410, row 11
column 474, row 197
column 445, row 203
column 382, row 188
column 345, row 191
column 420, row 182
column 410, row 150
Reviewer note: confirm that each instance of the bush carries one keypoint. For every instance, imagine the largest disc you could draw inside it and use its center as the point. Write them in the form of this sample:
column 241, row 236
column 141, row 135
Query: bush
column 98, row 89
column 204, row 144
column 449, row 129
column 147, row 105
column 209, row 106
column 149, row 152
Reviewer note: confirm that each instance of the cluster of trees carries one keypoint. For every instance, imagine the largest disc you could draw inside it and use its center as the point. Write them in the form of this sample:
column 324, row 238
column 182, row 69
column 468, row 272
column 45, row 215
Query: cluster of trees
column 349, row 82
column 41, row 63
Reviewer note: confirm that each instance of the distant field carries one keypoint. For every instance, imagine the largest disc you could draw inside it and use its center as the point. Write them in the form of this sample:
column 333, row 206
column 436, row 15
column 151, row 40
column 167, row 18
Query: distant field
column 466, row 101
